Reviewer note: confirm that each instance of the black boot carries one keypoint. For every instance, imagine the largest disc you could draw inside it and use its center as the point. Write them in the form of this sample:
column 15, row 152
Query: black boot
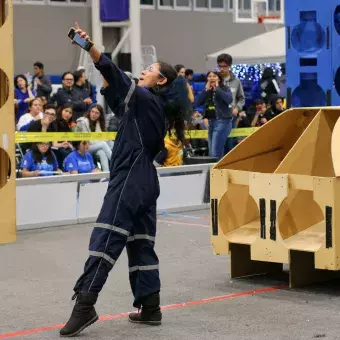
column 151, row 313
column 83, row 315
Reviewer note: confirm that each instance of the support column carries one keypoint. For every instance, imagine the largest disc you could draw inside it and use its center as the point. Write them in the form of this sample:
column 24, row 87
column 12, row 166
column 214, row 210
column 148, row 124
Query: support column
column 97, row 29
column 136, row 38
column 126, row 47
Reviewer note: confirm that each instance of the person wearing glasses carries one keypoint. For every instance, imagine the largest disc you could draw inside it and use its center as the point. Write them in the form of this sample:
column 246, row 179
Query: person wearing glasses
column 69, row 94
column 46, row 123
column 128, row 214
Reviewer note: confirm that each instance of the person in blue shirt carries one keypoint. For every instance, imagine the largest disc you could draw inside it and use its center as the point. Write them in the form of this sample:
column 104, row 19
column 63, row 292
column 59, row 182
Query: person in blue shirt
column 79, row 161
column 128, row 214
column 23, row 94
column 39, row 161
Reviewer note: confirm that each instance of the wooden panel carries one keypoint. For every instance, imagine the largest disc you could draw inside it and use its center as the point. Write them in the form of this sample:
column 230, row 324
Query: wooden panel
column 246, row 234
column 239, row 177
column 269, row 187
column 265, row 163
column 280, row 133
column 336, row 148
column 242, row 265
column 7, row 191
column 236, row 209
column 2, row 12
column 298, row 212
column 218, row 183
column 325, row 194
column 303, row 272
column 309, row 240
column 4, row 168
column 301, row 182
column 311, row 154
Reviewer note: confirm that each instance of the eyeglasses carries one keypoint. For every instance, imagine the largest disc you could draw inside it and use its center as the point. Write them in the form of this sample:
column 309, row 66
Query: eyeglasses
column 152, row 68
column 52, row 114
column 68, row 79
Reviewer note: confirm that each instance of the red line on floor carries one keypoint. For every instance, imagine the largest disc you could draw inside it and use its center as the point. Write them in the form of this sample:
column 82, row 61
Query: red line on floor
column 175, row 306
column 184, row 223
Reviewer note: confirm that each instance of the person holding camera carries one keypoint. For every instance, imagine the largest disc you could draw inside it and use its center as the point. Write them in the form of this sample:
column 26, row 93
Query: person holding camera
column 128, row 214
column 217, row 99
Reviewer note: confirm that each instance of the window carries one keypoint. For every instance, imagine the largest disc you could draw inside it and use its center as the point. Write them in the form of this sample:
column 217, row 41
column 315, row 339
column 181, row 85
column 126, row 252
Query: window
column 217, row 4
column 29, row 2
column 183, row 3
column 151, row 4
column 244, row 5
column 247, row 5
column 278, row 5
column 53, row 2
column 274, row 5
column 68, row 1
column 230, row 5
column 199, row 5
column 202, row 4
column 166, row 3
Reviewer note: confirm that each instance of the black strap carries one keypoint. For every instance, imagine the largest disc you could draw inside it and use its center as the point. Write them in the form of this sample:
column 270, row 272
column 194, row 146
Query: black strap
column 214, row 216
column 263, row 218
column 329, row 235
column 273, row 220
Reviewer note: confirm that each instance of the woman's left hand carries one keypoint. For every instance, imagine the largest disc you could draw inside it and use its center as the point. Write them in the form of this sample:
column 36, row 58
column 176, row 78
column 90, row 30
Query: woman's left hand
column 206, row 122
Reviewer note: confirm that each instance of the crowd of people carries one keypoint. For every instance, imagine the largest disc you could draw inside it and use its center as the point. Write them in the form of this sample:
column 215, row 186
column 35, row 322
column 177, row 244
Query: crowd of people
column 218, row 107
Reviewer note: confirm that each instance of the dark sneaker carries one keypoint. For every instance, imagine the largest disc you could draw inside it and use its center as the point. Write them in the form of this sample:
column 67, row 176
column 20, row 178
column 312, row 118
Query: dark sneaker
column 83, row 315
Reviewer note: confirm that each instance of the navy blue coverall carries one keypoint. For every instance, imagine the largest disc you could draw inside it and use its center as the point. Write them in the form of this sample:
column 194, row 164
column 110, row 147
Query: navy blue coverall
column 128, row 214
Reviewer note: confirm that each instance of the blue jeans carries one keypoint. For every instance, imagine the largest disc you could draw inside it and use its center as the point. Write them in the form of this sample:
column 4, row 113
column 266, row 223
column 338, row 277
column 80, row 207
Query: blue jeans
column 231, row 142
column 219, row 130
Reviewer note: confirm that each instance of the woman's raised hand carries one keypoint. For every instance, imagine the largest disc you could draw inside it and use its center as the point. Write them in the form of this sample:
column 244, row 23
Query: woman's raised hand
column 94, row 52
column 82, row 33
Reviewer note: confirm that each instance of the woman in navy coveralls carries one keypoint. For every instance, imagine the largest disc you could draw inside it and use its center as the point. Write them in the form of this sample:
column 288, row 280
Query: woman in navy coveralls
column 128, row 214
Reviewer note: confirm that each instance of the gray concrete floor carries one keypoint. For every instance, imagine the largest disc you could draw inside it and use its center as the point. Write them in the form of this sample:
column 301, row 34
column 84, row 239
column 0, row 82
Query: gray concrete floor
column 38, row 272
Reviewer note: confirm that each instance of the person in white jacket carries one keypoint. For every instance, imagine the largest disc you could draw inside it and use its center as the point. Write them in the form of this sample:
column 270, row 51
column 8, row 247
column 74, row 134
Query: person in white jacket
column 35, row 113
column 94, row 121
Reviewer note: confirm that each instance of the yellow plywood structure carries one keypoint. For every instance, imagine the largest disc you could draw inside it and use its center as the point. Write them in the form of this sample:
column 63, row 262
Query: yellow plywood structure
column 7, row 122
column 275, row 198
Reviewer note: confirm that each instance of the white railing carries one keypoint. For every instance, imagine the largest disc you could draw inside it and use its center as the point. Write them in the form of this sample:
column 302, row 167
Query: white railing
column 73, row 199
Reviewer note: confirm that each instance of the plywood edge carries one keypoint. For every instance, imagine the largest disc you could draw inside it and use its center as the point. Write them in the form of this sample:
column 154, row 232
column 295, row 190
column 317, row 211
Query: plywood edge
column 335, row 148
column 292, row 157
column 218, row 183
column 227, row 165
column 239, row 177
column 301, row 182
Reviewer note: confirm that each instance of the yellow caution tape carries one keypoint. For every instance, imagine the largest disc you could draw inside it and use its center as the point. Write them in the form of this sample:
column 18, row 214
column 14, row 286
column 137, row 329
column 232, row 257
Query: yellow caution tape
column 242, row 132
column 34, row 137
